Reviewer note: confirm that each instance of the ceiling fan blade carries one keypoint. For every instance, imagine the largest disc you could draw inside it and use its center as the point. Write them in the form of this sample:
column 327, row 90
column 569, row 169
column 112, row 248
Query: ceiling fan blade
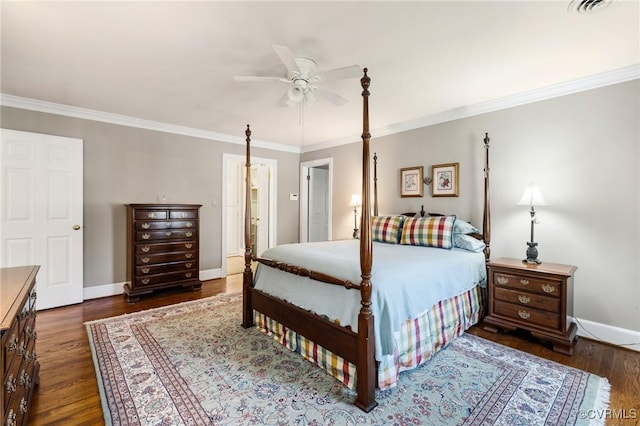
column 287, row 58
column 257, row 78
column 332, row 97
column 341, row 73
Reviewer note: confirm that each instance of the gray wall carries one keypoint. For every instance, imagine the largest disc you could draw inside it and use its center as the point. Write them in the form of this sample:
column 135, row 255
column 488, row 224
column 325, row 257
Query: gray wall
column 130, row 165
column 583, row 150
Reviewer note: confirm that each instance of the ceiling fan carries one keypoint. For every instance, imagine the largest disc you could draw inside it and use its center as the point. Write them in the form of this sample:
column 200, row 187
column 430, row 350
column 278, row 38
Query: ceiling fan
column 303, row 76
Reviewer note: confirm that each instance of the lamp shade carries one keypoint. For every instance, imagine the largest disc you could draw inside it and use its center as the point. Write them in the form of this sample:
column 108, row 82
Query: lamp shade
column 532, row 197
column 355, row 201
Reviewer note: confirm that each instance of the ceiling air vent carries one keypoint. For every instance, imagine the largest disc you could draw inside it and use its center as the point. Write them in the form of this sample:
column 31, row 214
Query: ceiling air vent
column 588, row 6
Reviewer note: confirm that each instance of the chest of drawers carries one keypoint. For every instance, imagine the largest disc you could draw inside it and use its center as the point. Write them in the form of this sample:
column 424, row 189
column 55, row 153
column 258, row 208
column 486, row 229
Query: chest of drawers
column 537, row 298
column 163, row 242
column 18, row 359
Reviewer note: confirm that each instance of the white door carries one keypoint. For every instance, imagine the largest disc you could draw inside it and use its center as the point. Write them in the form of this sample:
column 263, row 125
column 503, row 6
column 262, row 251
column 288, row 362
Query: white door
column 260, row 210
column 41, row 219
column 318, row 204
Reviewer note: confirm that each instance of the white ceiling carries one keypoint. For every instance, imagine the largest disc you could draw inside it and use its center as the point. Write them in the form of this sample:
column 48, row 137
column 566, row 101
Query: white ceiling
column 173, row 62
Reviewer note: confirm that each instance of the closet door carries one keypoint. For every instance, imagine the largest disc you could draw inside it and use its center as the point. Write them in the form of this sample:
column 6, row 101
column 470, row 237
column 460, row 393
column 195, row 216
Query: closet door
column 41, row 212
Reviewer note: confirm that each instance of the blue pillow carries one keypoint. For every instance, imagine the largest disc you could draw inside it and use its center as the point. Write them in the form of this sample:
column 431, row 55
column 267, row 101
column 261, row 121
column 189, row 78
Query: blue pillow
column 462, row 227
column 467, row 242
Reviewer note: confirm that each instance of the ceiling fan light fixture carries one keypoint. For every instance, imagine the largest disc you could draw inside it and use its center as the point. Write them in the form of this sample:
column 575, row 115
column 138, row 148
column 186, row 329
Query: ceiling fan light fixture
column 295, row 94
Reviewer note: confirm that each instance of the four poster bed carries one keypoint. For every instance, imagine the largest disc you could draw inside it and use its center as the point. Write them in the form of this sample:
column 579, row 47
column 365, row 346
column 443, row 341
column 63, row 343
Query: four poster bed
column 319, row 299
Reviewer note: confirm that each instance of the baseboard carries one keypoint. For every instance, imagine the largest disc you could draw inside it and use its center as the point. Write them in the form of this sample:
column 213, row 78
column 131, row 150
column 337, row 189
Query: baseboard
column 115, row 289
column 617, row 336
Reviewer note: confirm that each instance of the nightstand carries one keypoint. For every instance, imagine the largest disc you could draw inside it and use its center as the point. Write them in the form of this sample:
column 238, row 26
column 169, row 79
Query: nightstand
column 537, row 298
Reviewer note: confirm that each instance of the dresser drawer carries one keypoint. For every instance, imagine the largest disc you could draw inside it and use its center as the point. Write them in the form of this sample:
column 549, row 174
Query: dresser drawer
column 533, row 300
column 519, row 282
column 166, row 247
column 154, row 259
column 10, row 345
column 168, row 267
column 151, row 214
column 183, row 214
column 527, row 315
column 169, row 234
column 166, row 278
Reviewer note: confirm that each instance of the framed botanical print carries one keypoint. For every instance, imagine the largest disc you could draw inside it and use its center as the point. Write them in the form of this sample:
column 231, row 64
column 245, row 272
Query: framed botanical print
column 411, row 182
column 445, row 180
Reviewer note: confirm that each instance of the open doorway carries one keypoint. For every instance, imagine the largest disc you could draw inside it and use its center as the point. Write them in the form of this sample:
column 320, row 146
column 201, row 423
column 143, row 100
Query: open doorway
column 263, row 196
column 316, row 181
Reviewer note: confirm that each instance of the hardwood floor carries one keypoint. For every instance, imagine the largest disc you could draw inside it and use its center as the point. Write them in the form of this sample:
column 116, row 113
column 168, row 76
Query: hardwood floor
column 68, row 391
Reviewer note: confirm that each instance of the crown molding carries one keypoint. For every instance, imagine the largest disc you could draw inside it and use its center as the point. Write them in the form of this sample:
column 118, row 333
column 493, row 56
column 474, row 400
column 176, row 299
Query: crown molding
column 561, row 89
column 122, row 120
column 621, row 75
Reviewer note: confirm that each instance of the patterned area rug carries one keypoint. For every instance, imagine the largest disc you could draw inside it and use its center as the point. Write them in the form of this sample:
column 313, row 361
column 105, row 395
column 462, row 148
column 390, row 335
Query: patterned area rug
column 192, row 364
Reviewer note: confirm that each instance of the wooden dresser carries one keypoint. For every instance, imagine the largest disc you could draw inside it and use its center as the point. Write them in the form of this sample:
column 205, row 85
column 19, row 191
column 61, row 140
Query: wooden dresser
column 162, row 247
column 537, row 298
column 18, row 360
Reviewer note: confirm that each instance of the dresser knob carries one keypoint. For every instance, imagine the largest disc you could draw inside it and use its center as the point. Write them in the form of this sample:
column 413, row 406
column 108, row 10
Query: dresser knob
column 524, row 314
column 524, row 282
column 189, row 224
column 145, row 249
column 145, row 226
column 11, row 418
column 188, row 245
column 145, row 280
column 10, row 386
column 13, row 342
column 151, row 215
column 524, row 299
column 188, row 265
column 22, row 408
column 145, row 260
column 188, row 274
column 188, row 255
column 502, row 280
column 168, row 234
column 189, row 233
column 548, row 288
column 146, row 236
column 145, row 270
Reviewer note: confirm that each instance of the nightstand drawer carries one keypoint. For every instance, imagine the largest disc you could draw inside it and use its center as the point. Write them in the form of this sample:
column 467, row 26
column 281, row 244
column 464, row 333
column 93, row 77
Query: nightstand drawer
column 520, row 282
column 533, row 300
column 527, row 315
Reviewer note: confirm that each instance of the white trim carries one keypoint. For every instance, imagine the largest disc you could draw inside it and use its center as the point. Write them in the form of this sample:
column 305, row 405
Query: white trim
column 122, row 120
column 620, row 75
column 587, row 83
column 115, row 289
column 622, row 337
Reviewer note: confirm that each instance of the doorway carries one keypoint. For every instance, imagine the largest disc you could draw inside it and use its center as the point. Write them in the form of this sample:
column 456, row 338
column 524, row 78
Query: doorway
column 316, row 181
column 263, row 218
column 41, row 198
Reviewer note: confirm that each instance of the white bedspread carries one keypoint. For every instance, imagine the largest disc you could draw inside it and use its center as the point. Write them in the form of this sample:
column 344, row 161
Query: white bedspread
column 407, row 281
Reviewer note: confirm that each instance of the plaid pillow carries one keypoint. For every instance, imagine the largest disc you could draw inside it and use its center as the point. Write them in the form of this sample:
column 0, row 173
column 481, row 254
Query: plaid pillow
column 433, row 231
column 386, row 229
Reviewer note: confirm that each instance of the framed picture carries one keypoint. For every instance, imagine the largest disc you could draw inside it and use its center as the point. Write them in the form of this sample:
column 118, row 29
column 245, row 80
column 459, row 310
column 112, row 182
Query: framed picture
column 445, row 180
column 411, row 182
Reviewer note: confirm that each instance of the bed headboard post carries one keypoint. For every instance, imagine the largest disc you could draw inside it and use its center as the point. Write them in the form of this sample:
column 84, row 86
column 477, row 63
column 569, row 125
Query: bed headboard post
column 486, row 215
column 247, row 275
column 375, row 184
column 366, row 370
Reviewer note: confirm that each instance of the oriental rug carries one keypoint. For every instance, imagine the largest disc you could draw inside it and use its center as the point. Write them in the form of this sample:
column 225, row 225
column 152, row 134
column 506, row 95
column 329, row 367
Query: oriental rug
column 192, row 364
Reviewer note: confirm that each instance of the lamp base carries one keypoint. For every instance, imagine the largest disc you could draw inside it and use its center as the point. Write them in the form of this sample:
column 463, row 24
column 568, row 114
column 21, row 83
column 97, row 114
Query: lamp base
column 355, row 232
column 532, row 254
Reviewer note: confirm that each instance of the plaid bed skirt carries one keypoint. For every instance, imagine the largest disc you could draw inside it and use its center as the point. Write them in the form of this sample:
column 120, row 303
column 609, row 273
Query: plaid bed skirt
column 417, row 341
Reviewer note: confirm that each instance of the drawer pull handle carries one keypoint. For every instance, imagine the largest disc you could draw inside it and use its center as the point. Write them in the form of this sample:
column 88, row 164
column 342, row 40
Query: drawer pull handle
column 189, row 233
column 188, row 274
column 502, row 280
column 22, row 408
column 145, row 281
column 145, row 249
column 548, row 288
column 11, row 418
column 145, row 270
column 146, row 236
column 188, row 255
column 189, row 224
column 24, row 378
column 145, row 226
column 524, row 282
column 184, row 215
column 188, row 265
column 168, row 234
column 524, row 299
column 188, row 245
column 13, row 343
column 145, row 260
column 11, row 384
column 151, row 215
column 524, row 314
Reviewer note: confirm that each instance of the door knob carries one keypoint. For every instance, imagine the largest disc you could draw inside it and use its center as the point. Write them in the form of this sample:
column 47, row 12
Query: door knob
column 76, row 227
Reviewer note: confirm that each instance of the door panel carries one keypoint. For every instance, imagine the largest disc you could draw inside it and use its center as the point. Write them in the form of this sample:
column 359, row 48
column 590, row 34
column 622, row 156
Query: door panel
column 41, row 224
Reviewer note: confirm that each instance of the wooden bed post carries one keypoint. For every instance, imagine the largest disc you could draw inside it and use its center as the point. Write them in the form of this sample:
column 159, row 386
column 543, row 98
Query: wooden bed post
column 486, row 216
column 247, row 275
column 366, row 367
